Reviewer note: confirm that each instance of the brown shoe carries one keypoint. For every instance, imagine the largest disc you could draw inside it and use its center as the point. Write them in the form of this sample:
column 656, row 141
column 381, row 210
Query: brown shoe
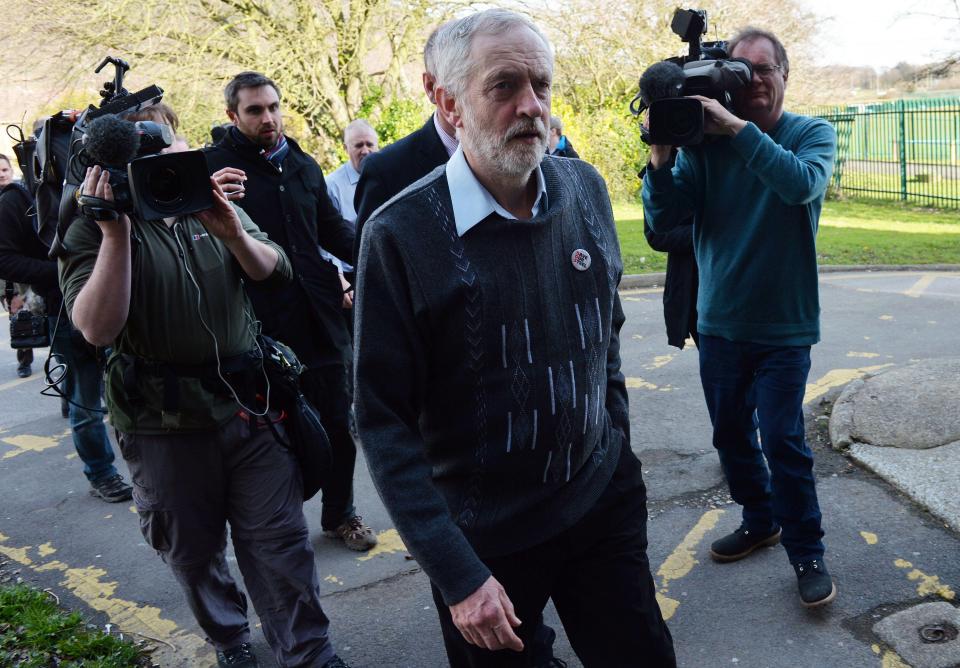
column 354, row 533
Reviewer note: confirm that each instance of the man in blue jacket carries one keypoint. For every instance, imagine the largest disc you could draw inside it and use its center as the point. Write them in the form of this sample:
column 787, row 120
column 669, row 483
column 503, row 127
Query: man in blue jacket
column 756, row 193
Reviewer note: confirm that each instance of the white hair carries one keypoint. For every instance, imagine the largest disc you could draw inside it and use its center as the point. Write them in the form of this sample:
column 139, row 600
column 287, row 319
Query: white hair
column 357, row 124
column 453, row 42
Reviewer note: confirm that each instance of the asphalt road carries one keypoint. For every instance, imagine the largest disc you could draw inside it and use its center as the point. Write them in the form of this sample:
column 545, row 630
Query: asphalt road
column 885, row 553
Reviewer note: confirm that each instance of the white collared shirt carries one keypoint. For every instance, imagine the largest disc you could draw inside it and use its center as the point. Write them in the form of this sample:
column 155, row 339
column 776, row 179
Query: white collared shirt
column 472, row 202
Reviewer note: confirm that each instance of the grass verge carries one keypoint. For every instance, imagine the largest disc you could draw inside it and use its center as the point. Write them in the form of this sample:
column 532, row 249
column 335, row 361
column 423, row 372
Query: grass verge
column 851, row 232
column 35, row 633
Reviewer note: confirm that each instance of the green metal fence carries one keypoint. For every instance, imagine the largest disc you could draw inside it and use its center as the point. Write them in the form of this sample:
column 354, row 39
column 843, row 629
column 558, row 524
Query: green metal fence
column 907, row 150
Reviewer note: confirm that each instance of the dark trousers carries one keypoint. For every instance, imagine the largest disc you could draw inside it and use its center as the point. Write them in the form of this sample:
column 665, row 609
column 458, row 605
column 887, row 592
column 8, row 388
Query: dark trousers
column 747, row 385
column 24, row 356
column 598, row 576
column 187, row 487
column 326, row 388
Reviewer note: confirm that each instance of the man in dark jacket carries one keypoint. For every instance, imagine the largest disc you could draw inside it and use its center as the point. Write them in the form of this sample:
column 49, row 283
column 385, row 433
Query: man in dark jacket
column 23, row 258
column 392, row 169
column 24, row 355
column 283, row 191
column 680, row 285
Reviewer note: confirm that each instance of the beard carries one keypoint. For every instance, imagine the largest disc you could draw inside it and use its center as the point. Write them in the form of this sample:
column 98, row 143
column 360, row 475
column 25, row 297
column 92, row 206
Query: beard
column 513, row 159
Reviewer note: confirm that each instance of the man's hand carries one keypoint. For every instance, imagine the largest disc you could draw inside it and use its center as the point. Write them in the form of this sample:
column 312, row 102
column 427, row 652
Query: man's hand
column 717, row 119
column 231, row 182
column 486, row 618
column 16, row 303
column 221, row 221
column 97, row 184
column 347, row 292
column 660, row 155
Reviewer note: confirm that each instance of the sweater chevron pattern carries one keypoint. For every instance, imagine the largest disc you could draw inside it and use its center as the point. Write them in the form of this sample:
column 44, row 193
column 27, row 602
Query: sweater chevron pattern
column 489, row 395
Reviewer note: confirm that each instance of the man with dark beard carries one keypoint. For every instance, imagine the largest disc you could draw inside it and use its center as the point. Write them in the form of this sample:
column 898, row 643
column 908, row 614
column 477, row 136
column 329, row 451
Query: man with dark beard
column 283, row 191
column 490, row 400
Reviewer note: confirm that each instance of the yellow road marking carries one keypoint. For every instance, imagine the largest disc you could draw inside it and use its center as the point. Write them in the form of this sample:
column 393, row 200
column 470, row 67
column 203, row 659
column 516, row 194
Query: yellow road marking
column 46, row 550
column 334, row 579
column 19, row 381
column 641, row 291
column 865, row 355
column 928, row 584
column 682, row 560
column 387, row 542
column 88, row 584
column 836, row 378
column 871, row 538
column 638, row 383
column 891, row 660
column 659, row 361
column 921, row 285
column 27, row 443
column 886, row 317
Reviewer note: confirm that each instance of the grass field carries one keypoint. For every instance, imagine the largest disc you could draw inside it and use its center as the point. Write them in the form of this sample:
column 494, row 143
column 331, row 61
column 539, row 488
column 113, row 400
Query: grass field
column 851, row 232
column 35, row 633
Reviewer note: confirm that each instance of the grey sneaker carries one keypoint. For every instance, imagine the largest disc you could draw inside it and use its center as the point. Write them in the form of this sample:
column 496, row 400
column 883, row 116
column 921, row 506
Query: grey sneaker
column 112, row 489
column 354, row 533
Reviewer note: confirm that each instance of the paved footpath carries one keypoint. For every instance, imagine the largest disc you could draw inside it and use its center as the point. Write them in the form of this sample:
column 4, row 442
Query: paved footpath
column 886, row 553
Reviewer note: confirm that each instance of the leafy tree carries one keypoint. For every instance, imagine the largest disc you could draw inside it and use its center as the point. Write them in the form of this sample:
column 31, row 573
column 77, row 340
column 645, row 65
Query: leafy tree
column 334, row 60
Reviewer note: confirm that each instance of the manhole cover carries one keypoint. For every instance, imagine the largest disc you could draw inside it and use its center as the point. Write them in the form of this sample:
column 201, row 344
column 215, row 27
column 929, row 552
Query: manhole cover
column 934, row 633
column 924, row 636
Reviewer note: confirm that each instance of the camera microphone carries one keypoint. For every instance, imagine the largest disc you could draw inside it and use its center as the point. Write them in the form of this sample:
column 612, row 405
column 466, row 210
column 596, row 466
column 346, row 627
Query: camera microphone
column 111, row 141
column 661, row 81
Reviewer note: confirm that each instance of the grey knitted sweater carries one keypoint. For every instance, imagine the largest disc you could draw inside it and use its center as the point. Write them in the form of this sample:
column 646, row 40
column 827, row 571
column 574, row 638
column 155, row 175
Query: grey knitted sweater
column 489, row 396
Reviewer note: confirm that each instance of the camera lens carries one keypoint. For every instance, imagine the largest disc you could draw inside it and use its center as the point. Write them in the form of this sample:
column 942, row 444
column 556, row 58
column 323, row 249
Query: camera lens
column 683, row 123
column 165, row 185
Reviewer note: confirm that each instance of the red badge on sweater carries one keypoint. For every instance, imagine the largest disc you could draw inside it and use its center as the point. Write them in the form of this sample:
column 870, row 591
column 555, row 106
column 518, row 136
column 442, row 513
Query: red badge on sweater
column 580, row 259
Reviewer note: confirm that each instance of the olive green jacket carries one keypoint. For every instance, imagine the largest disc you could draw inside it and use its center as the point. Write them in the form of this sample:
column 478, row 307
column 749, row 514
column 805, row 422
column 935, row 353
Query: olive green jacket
column 184, row 280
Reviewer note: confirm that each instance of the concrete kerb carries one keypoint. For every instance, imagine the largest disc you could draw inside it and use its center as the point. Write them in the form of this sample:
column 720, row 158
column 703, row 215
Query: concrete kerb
column 656, row 279
column 900, row 424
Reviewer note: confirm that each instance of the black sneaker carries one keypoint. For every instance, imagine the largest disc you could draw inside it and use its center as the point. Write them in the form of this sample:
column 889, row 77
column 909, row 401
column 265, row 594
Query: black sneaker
column 741, row 543
column 336, row 662
column 240, row 656
column 112, row 489
column 24, row 370
column 815, row 584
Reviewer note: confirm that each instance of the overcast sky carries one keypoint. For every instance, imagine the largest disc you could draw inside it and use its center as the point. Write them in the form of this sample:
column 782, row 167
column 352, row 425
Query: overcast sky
column 883, row 33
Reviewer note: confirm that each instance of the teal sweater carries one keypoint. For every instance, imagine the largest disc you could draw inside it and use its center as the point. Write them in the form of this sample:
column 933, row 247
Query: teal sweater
column 756, row 199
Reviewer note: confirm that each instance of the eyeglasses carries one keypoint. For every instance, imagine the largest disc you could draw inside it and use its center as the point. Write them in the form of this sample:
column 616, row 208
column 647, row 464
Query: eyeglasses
column 766, row 70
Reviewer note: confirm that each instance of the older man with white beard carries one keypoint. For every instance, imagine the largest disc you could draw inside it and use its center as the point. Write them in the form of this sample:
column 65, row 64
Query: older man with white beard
column 490, row 399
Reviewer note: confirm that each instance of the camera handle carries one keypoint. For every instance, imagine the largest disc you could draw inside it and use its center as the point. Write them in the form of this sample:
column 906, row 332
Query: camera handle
column 113, row 89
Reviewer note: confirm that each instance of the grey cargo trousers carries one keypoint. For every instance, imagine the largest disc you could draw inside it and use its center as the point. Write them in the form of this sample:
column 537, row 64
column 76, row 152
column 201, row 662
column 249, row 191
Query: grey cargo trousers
column 187, row 487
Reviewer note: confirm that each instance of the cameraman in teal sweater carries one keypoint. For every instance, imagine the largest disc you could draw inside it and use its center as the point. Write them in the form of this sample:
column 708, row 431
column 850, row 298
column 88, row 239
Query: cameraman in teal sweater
column 756, row 193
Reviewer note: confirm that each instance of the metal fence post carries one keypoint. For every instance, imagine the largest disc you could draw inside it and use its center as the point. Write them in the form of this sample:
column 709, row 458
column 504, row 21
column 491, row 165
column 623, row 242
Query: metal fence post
column 903, row 150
